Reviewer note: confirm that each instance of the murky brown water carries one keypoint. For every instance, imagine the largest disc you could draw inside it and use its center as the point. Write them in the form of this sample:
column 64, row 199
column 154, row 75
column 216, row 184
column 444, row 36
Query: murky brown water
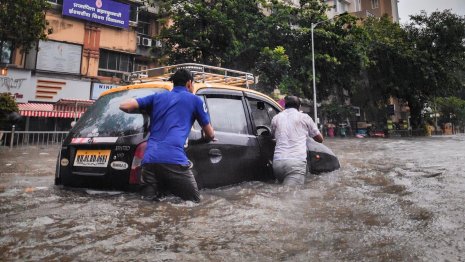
column 392, row 200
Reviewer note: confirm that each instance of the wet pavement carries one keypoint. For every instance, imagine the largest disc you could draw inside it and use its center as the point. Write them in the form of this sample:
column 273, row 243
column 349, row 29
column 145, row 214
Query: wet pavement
column 392, row 200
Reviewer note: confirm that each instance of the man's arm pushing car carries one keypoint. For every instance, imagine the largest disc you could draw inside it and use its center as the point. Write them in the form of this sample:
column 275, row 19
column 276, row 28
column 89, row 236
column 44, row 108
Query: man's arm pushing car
column 209, row 132
column 131, row 106
column 318, row 138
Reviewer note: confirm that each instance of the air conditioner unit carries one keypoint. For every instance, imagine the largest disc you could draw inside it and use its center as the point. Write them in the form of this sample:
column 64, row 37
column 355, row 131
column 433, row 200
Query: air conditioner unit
column 146, row 41
column 158, row 43
column 142, row 67
column 138, row 40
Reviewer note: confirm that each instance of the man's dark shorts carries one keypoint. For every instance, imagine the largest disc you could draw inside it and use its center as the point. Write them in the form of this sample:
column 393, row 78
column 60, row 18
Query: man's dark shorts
column 178, row 179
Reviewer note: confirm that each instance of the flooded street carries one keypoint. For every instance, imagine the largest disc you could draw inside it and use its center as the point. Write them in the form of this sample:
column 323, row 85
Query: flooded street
column 392, row 200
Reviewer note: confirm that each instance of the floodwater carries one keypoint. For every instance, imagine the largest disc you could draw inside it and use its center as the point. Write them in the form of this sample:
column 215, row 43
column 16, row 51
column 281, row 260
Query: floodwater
column 392, row 200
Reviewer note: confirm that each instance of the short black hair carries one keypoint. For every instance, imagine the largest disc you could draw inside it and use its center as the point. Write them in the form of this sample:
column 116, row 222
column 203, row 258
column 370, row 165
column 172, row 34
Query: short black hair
column 292, row 102
column 181, row 77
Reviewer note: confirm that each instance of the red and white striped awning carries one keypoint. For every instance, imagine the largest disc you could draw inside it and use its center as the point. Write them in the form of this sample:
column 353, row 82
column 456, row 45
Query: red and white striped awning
column 49, row 110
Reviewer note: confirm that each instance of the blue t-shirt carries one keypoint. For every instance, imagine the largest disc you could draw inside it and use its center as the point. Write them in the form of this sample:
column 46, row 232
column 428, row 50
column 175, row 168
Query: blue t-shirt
column 171, row 117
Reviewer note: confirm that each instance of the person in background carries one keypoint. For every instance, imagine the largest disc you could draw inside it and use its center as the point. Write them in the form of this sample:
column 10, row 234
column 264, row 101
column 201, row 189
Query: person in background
column 291, row 129
column 165, row 164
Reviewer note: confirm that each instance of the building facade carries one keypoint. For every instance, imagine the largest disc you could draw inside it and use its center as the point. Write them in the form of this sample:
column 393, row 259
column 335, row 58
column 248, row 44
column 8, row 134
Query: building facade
column 364, row 8
column 92, row 44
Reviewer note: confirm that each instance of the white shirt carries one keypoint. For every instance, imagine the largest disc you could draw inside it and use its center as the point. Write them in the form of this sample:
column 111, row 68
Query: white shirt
column 291, row 129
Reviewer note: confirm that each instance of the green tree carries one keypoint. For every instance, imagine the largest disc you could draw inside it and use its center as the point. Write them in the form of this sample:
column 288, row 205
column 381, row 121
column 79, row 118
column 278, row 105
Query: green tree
column 7, row 103
column 7, row 106
column 338, row 55
column 23, row 22
column 439, row 58
column 389, row 67
column 415, row 63
column 236, row 33
column 439, row 39
column 213, row 32
column 272, row 67
column 335, row 112
column 341, row 58
column 452, row 110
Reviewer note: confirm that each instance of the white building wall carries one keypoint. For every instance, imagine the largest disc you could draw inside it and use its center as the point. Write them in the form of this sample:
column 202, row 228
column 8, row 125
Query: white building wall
column 342, row 6
column 395, row 10
column 28, row 87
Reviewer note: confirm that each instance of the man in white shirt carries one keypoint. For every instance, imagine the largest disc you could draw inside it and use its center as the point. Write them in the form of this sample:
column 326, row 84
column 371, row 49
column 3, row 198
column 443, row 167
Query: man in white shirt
column 291, row 129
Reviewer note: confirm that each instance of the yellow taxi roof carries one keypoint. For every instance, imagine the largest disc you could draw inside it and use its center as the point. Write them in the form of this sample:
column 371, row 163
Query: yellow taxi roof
column 197, row 86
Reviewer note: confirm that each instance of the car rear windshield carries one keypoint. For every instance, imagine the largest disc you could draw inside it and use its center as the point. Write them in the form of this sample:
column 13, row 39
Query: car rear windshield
column 105, row 119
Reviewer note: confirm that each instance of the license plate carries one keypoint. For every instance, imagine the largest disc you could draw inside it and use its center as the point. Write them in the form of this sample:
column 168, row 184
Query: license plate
column 92, row 158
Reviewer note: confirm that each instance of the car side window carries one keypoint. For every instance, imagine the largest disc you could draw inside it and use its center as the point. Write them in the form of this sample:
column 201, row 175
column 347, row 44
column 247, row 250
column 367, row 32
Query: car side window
column 262, row 112
column 272, row 111
column 227, row 114
column 259, row 112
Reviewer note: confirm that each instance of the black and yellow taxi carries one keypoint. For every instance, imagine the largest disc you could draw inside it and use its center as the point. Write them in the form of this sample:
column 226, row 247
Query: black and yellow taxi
column 106, row 146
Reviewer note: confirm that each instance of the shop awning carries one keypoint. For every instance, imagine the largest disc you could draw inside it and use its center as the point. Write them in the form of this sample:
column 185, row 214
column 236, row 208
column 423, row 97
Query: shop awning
column 70, row 106
column 62, row 109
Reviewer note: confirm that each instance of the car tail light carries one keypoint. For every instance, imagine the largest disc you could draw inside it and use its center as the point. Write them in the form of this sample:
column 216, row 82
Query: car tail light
column 134, row 177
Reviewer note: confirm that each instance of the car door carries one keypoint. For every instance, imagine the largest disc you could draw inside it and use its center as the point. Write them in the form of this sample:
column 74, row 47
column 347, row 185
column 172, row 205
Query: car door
column 235, row 155
column 261, row 113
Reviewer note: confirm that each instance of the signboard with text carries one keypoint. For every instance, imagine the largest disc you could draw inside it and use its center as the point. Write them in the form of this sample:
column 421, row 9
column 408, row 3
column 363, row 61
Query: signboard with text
column 59, row 57
column 98, row 88
column 105, row 12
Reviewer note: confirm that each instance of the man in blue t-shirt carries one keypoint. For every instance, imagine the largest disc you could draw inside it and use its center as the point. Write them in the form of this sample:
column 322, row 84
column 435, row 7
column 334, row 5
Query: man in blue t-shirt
column 172, row 114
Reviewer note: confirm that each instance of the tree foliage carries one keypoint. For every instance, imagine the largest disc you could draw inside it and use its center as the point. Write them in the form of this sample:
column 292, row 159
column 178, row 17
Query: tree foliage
column 7, row 107
column 390, row 67
column 415, row 63
column 7, row 103
column 235, row 33
column 213, row 32
column 335, row 112
column 23, row 21
column 452, row 110
column 272, row 67
column 366, row 61
column 439, row 40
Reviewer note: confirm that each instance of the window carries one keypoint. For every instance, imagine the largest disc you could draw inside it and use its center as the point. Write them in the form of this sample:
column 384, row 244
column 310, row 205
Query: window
column 374, row 4
column 227, row 114
column 271, row 111
column 114, row 63
column 262, row 112
column 343, row 6
column 6, row 48
column 140, row 66
column 143, row 25
column 133, row 13
column 59, row 2
column 358, row 5
column 259, row 113
column 106, row 117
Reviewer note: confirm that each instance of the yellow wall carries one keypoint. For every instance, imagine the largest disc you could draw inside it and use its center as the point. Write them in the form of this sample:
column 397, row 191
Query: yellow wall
column 118, row 39
column 75, row 31
column 65, row 29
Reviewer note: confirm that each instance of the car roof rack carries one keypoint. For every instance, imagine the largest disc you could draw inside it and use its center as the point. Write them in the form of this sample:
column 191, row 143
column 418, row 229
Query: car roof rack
column 202, row 74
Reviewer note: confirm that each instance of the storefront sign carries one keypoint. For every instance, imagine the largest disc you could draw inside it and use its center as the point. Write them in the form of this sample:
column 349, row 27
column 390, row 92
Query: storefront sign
column 98, row 88
column 18, row 83
column 99, row 11
column 11, row 83
column 59, row 57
